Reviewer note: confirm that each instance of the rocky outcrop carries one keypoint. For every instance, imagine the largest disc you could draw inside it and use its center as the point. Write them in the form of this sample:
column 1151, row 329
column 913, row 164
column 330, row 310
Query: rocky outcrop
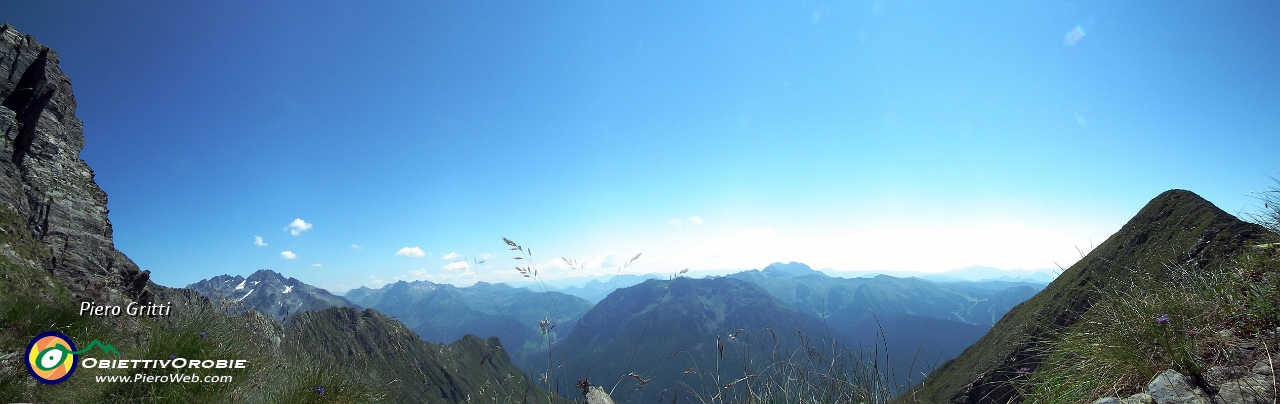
column 596, row 395
column 1171, row 387
column 1254, row 384
column 44, row 182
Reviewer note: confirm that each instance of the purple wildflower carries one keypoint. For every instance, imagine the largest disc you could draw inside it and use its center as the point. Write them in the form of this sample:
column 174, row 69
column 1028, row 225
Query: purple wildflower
column 172, row 357
column 201, row 335
column 320, row 390
column 1162, row 319
column 1024, row 370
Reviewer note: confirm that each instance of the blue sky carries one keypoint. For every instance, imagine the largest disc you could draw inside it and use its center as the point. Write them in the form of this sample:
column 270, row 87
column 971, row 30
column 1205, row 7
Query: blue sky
column 918, row 136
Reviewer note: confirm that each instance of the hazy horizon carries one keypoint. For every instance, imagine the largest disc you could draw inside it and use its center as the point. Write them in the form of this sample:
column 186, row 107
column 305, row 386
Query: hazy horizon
column 349, row 144
column 567, row 279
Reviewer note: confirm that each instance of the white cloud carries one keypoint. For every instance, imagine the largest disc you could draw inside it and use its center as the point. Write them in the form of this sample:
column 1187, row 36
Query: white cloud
column 414, row 252
column 451, row 256
column 356, row 247
column 316, row 265
column 695, row 220
column 456, row 266
column 486, row 256
column 257, row 240
column 676, row 222
column 1073, row 36
column 419, row 273
column 288, row 255
column 297, row 226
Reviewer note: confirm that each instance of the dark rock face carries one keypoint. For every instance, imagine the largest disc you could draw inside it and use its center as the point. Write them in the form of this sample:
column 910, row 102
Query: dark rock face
column 44, row 181
column 269, row 293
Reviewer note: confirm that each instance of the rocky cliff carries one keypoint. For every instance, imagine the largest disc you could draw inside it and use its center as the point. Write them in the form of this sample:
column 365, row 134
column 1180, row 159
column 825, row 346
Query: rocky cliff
column 44, row 182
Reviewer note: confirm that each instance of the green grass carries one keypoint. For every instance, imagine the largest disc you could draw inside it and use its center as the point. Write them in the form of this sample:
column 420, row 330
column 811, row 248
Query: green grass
column 1118, row 345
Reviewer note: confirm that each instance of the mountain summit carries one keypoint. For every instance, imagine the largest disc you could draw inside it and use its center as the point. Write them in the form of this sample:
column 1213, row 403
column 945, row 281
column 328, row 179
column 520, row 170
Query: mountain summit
column 790, row 270
column 269, row 293
column 1176, row 228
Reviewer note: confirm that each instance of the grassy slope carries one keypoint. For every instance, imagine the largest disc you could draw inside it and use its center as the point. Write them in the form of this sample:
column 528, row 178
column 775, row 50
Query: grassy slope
column 1176, row 227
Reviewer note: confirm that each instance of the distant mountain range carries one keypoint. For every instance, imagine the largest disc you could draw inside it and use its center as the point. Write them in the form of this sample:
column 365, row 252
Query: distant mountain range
column 445, row 313
column 597, row 325
column 269, row 293
column 854, row 300
column 969, row 274
column 668, row 332
column 922, row 322
column 595, row 290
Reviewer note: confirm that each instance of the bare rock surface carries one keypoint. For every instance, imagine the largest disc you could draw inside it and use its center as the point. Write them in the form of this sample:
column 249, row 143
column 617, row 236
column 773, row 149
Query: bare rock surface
column 1244, row 384
column 596, row 395
column 44, row 182
column 1172, row 387
column 1251, row 384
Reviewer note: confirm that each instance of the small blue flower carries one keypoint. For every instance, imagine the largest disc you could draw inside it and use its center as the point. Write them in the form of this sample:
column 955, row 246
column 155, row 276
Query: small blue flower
column 1024, row 370
column 1162, row 319
column 201, row 335
column 172, row 357
column 320, row 390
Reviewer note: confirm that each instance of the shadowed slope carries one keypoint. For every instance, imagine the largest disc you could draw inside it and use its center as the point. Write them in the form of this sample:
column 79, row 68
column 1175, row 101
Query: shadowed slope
column 1177, row 227
column 419, row 371
column 678, row 332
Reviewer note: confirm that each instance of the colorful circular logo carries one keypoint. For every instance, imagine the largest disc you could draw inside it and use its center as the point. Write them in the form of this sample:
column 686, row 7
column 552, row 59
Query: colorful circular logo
column 51, row 358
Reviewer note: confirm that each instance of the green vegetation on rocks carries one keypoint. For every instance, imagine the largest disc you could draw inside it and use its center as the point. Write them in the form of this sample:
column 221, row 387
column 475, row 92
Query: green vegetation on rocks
column 1153, row 296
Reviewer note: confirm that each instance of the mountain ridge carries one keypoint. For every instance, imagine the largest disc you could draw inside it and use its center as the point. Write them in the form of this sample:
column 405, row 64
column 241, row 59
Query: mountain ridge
column 277, row 297
column 666, row 316
column 443, row 312
column 1176, row 227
